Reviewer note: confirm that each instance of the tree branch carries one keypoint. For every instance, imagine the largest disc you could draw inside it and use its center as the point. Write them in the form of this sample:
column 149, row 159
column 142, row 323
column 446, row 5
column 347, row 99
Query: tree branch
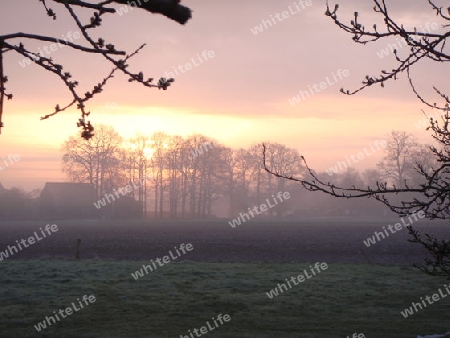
column 100, row 7
column 61, row 42
column 423, row 45
column 169, row 8
column 2, row 85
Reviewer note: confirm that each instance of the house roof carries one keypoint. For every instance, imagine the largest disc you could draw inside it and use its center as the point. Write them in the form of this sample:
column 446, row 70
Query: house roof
column 2, row 188
column 64, row 194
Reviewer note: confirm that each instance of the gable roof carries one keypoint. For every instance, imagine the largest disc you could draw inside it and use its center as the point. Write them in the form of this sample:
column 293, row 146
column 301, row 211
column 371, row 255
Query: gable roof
column 64, row 194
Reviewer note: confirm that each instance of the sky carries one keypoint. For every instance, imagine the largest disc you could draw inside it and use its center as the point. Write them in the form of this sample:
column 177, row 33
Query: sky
column 238, row 73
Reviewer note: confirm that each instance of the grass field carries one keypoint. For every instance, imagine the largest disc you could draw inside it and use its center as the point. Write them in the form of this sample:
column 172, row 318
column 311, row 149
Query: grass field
column 181, row 296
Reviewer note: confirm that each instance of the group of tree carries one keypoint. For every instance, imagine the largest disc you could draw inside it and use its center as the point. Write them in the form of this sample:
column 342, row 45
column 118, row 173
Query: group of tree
column 178, row 176
column 16, row 204
column 195, row 176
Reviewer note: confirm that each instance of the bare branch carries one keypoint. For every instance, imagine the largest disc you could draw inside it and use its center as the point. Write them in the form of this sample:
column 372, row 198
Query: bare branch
column 58, row 41
column 422, row 45
column 170, row 8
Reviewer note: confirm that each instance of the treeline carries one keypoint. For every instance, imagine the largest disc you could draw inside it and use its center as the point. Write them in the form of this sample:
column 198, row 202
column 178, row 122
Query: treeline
column 194, row 176
column 197, row 176
column 15, row 204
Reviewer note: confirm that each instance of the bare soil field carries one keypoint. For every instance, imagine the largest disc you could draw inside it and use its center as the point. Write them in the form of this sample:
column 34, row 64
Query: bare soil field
column 216, row 241
column 230, row 270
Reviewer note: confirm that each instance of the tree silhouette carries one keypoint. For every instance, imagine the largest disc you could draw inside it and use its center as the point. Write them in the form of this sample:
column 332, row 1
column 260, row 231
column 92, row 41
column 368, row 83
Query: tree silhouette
column 95, row 161
column 14, row 42
column 432, row 195
column 422, row 46
column 398, row 163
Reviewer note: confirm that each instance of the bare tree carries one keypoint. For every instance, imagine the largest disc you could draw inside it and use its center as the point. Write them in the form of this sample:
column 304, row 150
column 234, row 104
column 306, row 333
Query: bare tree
column 432, row 197
column 16, row 42
column 95, row 161
column 424, row 158
column 371, row 177
column 244, row 176
column 174, row 160
column 135, row 165
column 398, row 163
column 258, row 170
column 230, row 180
column 185, row 181
column 286, row 162
column 159, row 146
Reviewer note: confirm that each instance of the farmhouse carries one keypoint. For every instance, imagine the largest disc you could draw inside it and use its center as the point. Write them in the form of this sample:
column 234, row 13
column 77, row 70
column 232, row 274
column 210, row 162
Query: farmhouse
column 63, row 200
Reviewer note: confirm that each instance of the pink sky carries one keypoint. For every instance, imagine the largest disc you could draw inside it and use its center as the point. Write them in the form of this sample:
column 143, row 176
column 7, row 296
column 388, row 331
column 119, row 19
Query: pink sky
column 251, row 77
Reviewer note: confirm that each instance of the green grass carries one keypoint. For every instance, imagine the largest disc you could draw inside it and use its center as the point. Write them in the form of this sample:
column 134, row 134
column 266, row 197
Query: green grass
column 338, row 302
